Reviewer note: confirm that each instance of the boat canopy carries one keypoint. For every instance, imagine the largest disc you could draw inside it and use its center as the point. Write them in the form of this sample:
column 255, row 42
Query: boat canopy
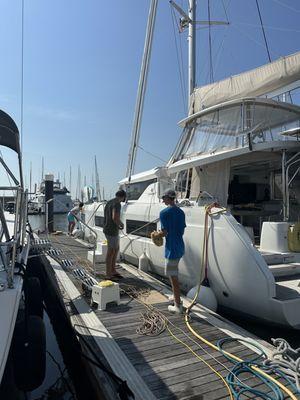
column 9, row 134
column 254, row 83
column 236, row 124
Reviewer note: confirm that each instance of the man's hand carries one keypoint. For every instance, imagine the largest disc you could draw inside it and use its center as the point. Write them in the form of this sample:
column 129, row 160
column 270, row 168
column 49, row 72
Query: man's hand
column 157, row 238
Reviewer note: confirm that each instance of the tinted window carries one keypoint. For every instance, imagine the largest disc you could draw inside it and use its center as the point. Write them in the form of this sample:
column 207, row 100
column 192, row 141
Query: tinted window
column 134, row 190
column 138, row 227
column 99, row 221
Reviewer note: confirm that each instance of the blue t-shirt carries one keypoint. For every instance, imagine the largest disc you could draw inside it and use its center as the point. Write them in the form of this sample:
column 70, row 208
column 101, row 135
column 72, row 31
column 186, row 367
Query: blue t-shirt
column 172, row 220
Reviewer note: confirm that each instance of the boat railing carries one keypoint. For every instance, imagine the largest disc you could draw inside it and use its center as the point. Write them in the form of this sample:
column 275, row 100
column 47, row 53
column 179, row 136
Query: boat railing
column 95, row 234
column 14, row 244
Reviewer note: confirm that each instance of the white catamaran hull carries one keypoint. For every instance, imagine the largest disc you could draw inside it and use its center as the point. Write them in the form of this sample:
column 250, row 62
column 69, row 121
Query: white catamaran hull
column 237, row 272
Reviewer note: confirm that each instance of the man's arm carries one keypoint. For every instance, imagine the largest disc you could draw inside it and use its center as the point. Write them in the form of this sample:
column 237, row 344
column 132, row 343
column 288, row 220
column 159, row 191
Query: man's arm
column 163, row 222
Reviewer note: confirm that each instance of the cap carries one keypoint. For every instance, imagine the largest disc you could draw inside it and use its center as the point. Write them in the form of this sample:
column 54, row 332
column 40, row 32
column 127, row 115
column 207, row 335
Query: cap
column 170, row 194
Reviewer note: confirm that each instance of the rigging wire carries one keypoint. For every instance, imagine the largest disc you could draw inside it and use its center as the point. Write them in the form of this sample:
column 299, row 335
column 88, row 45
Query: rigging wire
column 225, row 9
column 286, row 6
column 252, row 39
column 211, row 71
column 22, row 75
column 151, row 154
column 180, row 68
column 277, row 28
column 263, row 30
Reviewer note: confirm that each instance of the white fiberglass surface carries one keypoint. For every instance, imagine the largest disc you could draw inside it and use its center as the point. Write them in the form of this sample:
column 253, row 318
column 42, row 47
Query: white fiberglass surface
column 9, row 304
column 230, row 127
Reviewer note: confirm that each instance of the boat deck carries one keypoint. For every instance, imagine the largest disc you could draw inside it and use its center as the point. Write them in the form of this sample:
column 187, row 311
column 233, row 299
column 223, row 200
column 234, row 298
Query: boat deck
column 170, row 365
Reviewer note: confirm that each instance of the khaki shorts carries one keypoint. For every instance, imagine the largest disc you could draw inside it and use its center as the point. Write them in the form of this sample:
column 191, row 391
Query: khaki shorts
column 171, row 266
column 113, row 241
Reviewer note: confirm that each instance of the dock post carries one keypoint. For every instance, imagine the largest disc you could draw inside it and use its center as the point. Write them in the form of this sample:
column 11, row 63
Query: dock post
column 49, row 202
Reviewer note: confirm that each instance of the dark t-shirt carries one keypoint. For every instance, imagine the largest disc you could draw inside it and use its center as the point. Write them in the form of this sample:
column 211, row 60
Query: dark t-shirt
column 110, row 227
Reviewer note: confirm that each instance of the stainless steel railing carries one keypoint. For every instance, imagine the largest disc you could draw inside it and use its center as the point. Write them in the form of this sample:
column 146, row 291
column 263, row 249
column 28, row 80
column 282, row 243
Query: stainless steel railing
column 17, row 241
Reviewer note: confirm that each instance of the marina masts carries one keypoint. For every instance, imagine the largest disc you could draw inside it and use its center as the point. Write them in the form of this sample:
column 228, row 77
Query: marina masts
column 97, row 181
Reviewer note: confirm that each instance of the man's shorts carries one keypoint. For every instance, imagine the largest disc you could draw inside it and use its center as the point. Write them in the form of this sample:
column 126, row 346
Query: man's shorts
column 113, row 241
column 71, row 218
column 171, row 266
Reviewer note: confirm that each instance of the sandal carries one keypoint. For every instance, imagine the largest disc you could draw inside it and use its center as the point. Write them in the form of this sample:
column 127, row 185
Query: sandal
column 117, row 275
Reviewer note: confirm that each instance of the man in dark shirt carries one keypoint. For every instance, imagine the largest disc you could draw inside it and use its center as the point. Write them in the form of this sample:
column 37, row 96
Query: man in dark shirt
column 172, row 221
column 112, row 225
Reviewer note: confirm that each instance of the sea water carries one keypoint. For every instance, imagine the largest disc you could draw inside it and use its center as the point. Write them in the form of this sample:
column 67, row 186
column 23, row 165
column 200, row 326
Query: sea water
column 54, row 386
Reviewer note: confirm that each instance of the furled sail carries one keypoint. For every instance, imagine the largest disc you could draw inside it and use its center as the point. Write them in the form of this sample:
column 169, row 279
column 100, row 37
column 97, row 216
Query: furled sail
column 254, row 83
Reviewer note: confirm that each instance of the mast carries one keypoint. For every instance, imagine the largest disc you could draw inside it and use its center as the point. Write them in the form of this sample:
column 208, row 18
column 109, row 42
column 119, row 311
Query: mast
column 141, row 90
column 70, row 181
column 192, row 48
column 42, row 169
column 97, row 181
column 30, row 178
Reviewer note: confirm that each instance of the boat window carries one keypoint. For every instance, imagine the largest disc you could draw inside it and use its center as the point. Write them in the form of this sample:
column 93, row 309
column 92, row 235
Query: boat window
column 230, row 127
column 181, row 183
column 140, row 228
column 99, row 221
column 136, row 189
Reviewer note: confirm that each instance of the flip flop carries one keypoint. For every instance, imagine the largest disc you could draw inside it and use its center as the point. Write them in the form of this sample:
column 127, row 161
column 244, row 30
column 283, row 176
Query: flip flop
column 114, row 276
column 117, row 275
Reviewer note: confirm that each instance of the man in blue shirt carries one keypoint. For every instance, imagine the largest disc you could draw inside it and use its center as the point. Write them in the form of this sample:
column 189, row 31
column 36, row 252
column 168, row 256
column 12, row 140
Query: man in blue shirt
column 172, row 221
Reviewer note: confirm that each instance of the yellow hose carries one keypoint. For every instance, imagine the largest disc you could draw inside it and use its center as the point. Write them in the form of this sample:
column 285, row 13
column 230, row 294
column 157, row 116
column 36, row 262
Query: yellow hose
column 186, row 318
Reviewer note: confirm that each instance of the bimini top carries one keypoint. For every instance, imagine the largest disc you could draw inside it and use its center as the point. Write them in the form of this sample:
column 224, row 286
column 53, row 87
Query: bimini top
column 9, row 134
column 254, row 83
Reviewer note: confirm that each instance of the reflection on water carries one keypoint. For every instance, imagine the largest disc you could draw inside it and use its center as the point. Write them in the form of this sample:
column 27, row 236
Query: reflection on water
column 55, row 386
column 57, row 382
column 37, row 222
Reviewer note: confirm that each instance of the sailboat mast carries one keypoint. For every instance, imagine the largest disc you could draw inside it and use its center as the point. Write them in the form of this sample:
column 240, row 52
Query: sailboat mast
column 42, row 169
column 97, row 181
column 192, row 49
column 141, row 90
column 30, row 178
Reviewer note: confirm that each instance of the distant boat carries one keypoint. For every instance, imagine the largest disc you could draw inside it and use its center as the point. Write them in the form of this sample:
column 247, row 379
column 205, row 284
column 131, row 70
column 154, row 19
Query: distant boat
column 62, row 202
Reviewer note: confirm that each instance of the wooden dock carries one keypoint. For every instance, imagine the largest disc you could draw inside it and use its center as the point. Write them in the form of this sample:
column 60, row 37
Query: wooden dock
column 170, row 365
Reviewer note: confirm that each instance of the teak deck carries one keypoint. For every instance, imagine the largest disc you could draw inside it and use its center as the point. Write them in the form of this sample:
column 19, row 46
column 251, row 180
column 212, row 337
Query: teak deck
column 155, row 367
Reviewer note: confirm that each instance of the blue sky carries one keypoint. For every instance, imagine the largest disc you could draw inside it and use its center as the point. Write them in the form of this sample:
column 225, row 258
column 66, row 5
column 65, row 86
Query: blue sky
column 81, row 69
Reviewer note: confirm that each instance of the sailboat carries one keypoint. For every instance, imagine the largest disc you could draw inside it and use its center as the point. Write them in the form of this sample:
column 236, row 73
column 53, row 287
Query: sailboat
column 235, row 170
column 18, row 330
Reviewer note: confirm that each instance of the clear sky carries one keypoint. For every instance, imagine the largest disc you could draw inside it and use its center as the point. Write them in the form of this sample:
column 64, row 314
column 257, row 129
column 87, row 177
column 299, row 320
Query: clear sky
column 81, row 69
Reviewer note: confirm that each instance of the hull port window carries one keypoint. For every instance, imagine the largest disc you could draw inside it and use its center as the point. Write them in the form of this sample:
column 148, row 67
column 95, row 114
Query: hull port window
column 99, row 221
column 135, row 190
column 138, row 228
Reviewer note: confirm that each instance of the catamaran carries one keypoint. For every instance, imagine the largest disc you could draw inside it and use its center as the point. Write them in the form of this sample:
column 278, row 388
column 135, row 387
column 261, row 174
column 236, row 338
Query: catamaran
column 235, row 170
